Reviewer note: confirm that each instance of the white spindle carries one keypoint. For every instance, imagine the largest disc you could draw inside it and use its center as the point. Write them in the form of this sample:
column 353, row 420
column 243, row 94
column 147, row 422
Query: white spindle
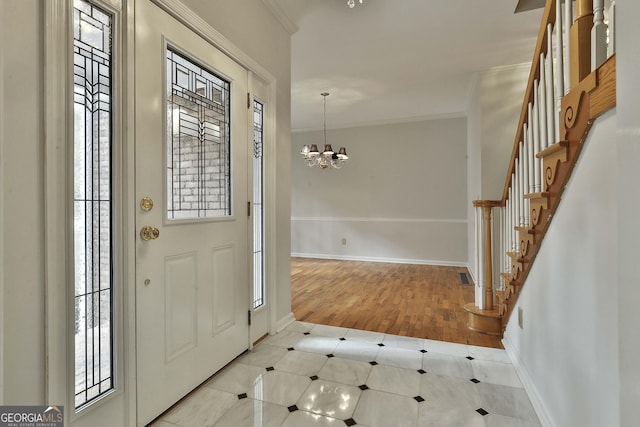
column 549, row 109
column 507, row 233
column 542, row 104
column 598, row 35
column 479, row 295
column 568, row 21
column 514, row 207
column 611, row 45
column 521, row 182
column 525, row 164
column 559, row 68
column 535, row 142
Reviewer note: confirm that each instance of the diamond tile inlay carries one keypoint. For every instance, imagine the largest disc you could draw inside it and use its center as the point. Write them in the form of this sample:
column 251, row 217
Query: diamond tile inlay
column 326, row 367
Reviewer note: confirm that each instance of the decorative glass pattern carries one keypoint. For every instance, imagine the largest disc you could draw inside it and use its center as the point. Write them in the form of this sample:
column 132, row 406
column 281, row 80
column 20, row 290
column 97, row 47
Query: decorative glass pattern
column 198, row 141
column 93, row 302
column 258, row 216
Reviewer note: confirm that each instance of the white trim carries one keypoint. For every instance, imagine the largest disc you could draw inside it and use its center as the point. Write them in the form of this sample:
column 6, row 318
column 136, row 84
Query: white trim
column 528, row 384
column 365, row 219
column 382, row 122
column 471, row 273
column 375, row 259
column 284, row 322
column 281, row 15
column 56, row 234
column 2, row 296
column 129, row 211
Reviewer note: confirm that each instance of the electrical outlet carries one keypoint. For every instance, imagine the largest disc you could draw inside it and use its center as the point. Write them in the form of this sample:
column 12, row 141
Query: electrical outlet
column 344, row 241
column 520, row 317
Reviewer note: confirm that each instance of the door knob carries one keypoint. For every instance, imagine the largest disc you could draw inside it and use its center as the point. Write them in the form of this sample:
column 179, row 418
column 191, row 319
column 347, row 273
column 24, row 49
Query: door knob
column 149, row 233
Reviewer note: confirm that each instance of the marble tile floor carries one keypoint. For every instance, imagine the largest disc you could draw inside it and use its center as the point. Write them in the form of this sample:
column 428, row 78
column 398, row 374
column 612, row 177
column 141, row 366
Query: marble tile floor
column 317, row 375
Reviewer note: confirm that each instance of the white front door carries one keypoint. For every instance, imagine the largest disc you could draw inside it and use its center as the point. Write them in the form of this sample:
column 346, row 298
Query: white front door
column 192, row 288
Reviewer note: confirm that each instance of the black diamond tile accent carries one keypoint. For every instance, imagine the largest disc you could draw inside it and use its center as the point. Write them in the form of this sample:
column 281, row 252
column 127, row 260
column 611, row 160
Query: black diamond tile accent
column 475, row 381
column 470, row 358
column 422, row 371
column 291, row 349
column 482, row 412
column 292, row 408
column 343, row 339
column 363, row 387
column 270, row 368
column 374, row 363
column 423, row 351
column 380, row 345
column 242, row 396
column 350, row 422
column 419, row 399
column 314, row 377
column 307, row 333
column 331, row 355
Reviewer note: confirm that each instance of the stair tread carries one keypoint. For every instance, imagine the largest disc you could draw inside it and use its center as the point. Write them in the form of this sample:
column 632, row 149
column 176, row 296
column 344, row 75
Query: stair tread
column 552, row 149
column 472, row 308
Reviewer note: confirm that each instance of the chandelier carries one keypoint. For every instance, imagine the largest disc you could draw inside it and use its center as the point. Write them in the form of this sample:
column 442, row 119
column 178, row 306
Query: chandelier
column 352, row 3
column 328, row 157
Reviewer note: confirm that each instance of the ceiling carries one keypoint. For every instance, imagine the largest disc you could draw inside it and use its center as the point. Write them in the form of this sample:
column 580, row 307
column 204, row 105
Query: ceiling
column 393, row 60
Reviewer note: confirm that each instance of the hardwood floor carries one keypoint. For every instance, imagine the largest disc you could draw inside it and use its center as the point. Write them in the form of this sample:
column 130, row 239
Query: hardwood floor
column 413, row 300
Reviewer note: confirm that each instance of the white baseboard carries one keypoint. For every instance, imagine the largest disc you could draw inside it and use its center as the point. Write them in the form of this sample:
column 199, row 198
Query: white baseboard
column 375, row 259
column 284, row 322
column 529, row 385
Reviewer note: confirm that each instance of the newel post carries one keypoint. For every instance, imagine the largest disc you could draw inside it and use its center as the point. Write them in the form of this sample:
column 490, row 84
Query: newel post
column 484, row 234
column 581, row 41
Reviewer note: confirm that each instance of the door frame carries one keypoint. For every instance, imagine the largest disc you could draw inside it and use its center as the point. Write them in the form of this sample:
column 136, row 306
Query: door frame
column 58, row 114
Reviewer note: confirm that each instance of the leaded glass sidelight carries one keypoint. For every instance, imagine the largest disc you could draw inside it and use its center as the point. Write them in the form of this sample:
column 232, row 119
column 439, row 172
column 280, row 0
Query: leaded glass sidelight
column 92, row 229
column 198, row 141
column 258, row 197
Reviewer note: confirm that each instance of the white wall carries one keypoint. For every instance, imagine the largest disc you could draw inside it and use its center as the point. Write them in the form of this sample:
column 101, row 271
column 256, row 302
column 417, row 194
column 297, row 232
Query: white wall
column 22, row 360
column 628, row 233
column 247, row 24
column 568, row 346
column 400, row 198
column 501, row 94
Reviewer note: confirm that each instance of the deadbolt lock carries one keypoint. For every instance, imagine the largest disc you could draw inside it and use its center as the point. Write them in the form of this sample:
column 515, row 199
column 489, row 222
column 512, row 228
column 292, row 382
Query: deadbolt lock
column 146, row 204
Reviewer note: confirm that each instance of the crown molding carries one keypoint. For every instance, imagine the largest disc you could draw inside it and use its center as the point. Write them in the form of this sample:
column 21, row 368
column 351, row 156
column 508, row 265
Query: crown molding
column 281, row 16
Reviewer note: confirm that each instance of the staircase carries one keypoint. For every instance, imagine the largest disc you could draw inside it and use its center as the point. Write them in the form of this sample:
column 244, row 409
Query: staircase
column 572, row 82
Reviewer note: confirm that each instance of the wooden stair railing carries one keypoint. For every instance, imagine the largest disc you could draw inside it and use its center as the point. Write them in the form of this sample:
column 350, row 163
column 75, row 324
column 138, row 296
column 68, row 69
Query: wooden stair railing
column 554, row 123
